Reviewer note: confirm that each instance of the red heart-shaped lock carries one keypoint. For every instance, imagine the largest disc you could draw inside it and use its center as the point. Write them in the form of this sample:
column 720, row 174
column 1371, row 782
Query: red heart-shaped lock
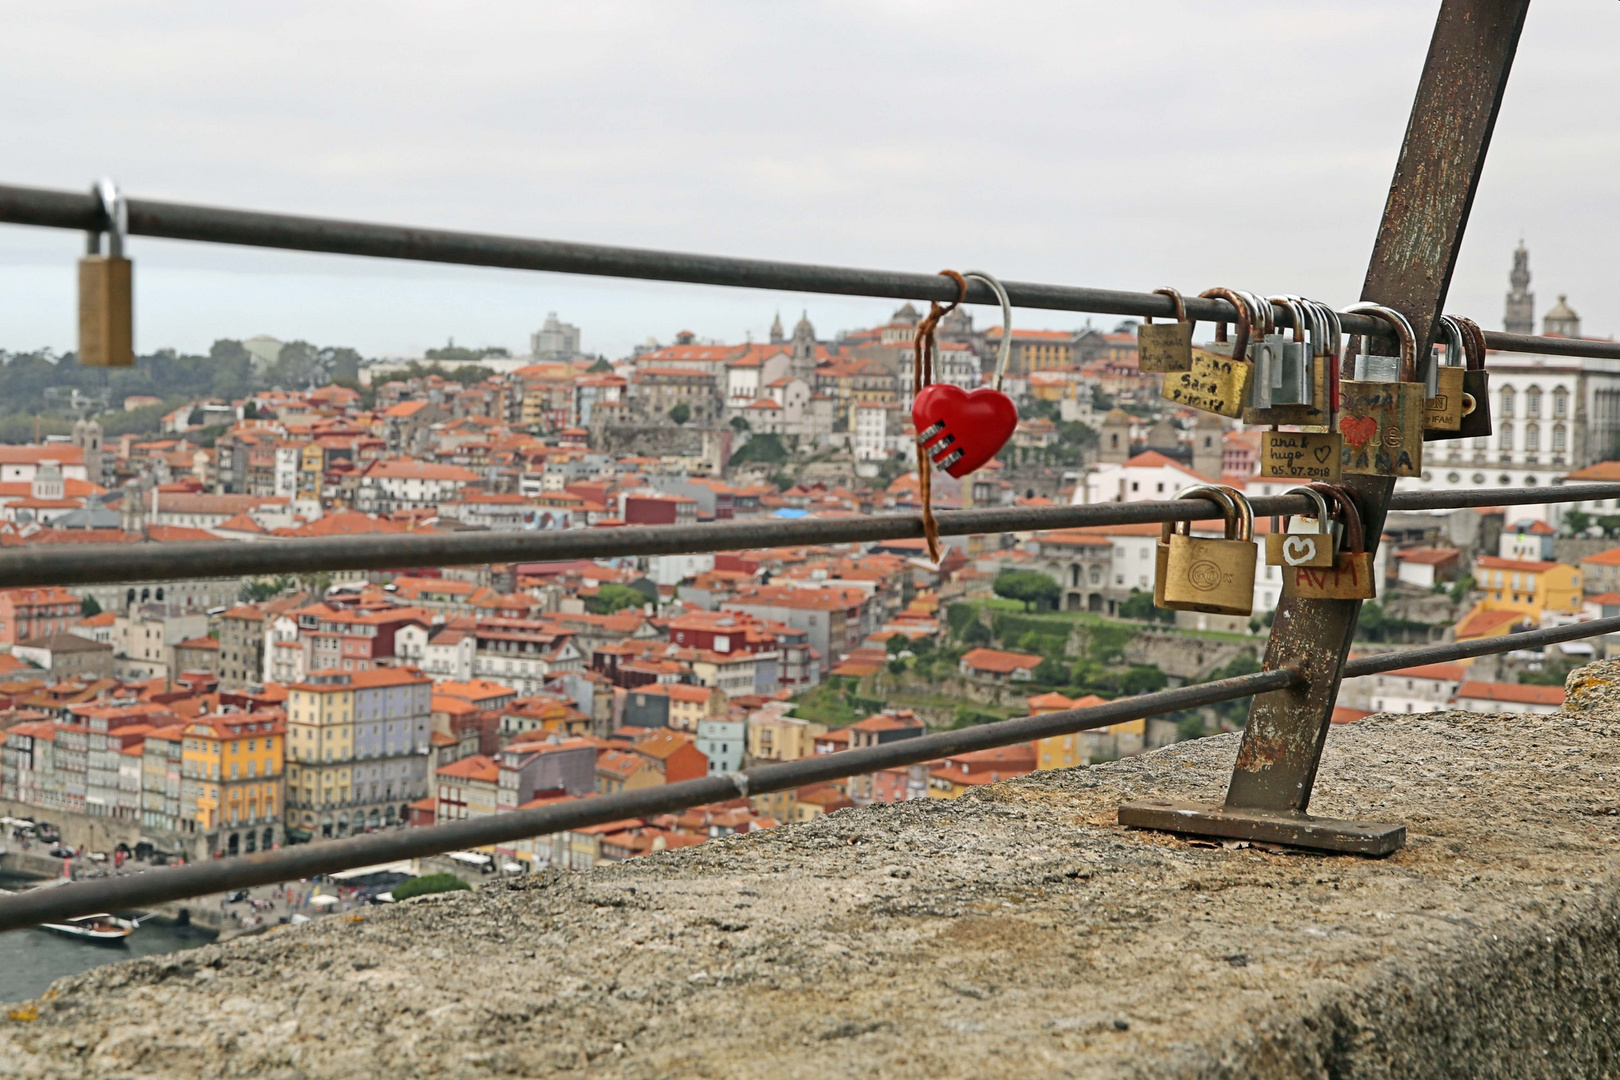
column 962, row 430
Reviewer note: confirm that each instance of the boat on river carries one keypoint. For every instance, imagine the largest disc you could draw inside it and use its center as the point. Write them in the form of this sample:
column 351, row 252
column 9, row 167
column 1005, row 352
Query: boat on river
column 103, row 929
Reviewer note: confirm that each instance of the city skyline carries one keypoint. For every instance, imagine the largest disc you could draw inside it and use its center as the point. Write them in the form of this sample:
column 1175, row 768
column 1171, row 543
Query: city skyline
column 650, row 127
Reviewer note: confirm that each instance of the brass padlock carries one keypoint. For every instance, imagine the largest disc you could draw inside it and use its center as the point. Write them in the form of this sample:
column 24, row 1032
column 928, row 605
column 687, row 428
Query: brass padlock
column 1212, row 576
column 1161, row 552
column 1304, row 541
column 1443, row 410
column 1351, row 575
column 1218, row 379
column 106, row 294
column 1382, row 421
column 1167, row 346
column 1476, row 418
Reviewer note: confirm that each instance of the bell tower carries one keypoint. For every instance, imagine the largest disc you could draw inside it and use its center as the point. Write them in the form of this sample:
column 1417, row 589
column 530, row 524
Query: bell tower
column 1520, row 316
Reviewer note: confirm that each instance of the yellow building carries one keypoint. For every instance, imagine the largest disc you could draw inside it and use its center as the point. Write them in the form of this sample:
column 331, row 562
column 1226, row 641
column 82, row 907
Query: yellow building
column 311, row 470
column 320, row 745
column 1533, row 588
column 232, row 765
column 1067, row 751
column 781, row 738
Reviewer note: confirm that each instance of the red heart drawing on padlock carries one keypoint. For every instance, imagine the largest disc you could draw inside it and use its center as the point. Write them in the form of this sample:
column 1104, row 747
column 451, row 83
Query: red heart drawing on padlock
column 961, row 430
column 1359, row 430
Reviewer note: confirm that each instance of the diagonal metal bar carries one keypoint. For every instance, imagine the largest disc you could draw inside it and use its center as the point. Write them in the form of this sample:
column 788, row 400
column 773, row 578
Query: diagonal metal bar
column 1436, row 176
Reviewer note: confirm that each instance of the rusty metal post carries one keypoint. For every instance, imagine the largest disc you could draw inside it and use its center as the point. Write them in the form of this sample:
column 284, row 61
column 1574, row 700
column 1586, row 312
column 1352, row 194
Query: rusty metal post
column 1425, row 215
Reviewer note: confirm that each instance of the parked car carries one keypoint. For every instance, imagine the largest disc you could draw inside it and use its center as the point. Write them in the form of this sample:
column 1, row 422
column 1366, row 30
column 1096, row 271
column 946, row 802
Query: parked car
column 61, row 853
column 236, row 897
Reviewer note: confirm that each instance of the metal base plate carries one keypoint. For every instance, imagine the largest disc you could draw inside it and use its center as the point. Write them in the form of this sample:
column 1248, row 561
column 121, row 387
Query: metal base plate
column 1298, row 830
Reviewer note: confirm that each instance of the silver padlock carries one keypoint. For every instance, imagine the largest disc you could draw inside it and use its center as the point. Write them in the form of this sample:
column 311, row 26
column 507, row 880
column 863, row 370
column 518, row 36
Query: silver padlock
column 1291, row 384
column 1374, row 368
column 1264, row 351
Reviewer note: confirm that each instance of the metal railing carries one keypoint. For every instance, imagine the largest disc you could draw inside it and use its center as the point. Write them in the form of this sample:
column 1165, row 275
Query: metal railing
column 1426, row 212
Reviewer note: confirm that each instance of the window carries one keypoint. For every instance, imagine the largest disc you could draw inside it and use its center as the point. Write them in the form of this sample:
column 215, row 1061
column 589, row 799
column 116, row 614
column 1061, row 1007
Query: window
column 1560, row 403
column 1558, row 438
column 1532, row 402
column 1532, row 437
column 1507, row 401
column 1505, row 437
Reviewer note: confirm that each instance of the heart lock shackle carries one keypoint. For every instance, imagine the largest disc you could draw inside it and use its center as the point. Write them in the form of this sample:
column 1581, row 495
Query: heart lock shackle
column 106, row 288
column 1208, row 575
column 1220, row 376
column 959, row 429
column 1444, row 407
column 1351, row 575
column 1381, row 412
column 1476, row 418
column 1165, row 347
column 1305, row 541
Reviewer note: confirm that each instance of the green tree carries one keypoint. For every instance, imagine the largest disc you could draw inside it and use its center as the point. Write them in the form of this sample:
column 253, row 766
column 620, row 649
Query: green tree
column 601, row 367
column 895, row 645
column 958, row 616
column 613, row 597
column 739, row 424
column 258, row 590
column 1028, row 587
column 1050, row 672
column 681, row 413
column 976, row 633
column 766, row 449
column 1139, row 605
column 428, row 883
column 897, row 666
column 89, row 607
column 1142, row 679
column 1461, row 588
column 1578, row 521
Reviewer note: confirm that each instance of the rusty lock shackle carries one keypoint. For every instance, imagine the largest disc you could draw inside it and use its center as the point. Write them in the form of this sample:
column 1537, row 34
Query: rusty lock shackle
column 1175, row 299
column 1240, row 343
column 1474, row 342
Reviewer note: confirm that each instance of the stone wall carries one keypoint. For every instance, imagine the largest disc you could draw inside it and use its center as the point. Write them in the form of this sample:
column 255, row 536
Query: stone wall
column 1019, row 932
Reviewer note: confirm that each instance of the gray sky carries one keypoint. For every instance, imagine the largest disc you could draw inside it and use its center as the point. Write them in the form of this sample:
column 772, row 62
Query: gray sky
column 1105, row 144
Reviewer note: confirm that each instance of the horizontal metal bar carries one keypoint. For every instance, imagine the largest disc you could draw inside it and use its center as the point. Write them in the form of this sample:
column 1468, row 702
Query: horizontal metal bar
column 208, row 224
column 1552, row 346
column 136, row 891
column 1463, row 650
column 218, row 225
column 87, row 564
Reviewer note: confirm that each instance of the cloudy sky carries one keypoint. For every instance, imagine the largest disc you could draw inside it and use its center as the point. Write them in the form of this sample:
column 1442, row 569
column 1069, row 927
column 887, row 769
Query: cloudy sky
column 1104, row 144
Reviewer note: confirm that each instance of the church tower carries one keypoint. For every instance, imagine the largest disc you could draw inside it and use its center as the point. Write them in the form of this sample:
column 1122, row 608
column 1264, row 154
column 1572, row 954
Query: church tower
column 1520, row 317
column 87, row 437
column 777, row 336
column 1114, row 437
column 804, row 349
column 1209, row 446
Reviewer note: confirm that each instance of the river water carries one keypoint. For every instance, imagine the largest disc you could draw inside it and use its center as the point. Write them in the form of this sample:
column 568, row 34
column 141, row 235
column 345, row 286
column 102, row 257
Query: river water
column 30, row 960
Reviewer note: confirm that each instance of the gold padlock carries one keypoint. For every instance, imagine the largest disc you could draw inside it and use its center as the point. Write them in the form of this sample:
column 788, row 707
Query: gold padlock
column 1443, row 413
column 1213, row 576
column 1313, row 545
column 1161, row 552
column 1381, row 418
column 1168, row 346
column 106, row 290
column 1218, row 379
column 1351, row 575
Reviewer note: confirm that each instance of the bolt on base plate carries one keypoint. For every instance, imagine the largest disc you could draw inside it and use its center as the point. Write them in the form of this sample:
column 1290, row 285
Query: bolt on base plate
column 1298, row 830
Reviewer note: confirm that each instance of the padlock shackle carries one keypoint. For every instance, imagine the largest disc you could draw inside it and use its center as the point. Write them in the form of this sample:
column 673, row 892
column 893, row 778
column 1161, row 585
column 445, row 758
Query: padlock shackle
column 1240, row 344
column 1004, row 350
column 1456, row 350
column 1219, row 494
column 1474, row 342
column 1403, row 331
column 1349, row 510
column 1322, row 513
column 115, row 215
column 1296, row 311
column 1175, row 298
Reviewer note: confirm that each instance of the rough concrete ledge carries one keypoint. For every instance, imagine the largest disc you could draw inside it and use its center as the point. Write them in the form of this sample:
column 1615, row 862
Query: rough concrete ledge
column 1017, row 933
